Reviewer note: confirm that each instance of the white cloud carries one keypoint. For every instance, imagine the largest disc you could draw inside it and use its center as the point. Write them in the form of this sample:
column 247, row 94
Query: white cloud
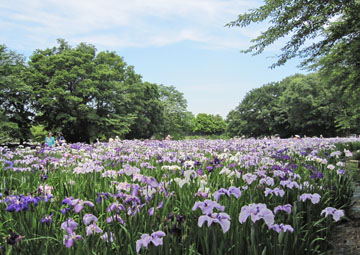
column 136, row 23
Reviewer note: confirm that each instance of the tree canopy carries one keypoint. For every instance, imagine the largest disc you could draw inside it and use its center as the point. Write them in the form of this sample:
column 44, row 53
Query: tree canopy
column 15, row 96
column 299, row 104
column 176, row 119
column 333, row 23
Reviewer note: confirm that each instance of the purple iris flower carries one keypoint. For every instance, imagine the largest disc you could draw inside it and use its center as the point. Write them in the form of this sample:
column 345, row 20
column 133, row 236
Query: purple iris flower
column 276, row 192
column 115, row 217
column 155, row 238
column 222, row 218
column 285, row 208
column 115, row 206
column 340, row 171
column 108, row 238
column 79, row 204
column 69, row 239
column 47, row 219
column 315, row 198
column 201, row 194
column 102, row 196
column 67, row 201
column 65, row 210
column 337, row 214
column 88, row 218
column 10, row 164
column 208, row 206
column 151, row 211
column 93, row 228
column 69, row 225
column 282, row 228
column 231, row 191
column 256, row 212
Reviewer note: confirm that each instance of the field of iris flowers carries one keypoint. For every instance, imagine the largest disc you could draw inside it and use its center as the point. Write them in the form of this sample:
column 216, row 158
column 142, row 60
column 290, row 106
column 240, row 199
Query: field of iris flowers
column 239, row 196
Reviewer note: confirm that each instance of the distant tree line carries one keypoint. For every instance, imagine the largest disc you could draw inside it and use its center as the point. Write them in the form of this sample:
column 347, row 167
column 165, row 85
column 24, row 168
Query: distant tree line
column 299, row 104
column 327, row 102
column 88, row 95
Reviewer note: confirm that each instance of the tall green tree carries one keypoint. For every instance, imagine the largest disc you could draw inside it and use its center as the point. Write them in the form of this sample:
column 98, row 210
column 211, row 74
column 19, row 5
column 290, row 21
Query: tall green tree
column 259, row 114
column 309, row 106
column 146, row 106
column 302, row 21
column 15, row 97
column 209, row 124
column 84, row 94
column 325, row 34
column 176, row 119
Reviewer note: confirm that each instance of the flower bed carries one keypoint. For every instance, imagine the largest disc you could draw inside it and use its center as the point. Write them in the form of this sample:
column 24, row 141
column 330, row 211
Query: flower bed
column 241, row 196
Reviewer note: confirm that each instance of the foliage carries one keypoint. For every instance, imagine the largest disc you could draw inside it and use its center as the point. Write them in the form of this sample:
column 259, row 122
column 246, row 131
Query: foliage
column 15, row 96
column 38, row 134
column 130, row 189
column 299, row 104
column 308, row 104
column 89, row 95
column 209, row 124
column 146, row 106
column 304, row 20
column 176, row 120
column 326, row 35
column 259, row 113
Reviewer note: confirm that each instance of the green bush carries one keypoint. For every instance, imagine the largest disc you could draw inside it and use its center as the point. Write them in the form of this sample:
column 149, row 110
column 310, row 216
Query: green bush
column 38, row 133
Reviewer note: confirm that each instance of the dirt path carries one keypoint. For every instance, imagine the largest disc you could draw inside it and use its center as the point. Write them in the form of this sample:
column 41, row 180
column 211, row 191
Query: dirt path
column 346, row 236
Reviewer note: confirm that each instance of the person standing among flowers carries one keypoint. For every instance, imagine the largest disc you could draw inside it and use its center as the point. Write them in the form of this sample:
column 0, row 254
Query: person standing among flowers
column 60, row 138
column 50, row 140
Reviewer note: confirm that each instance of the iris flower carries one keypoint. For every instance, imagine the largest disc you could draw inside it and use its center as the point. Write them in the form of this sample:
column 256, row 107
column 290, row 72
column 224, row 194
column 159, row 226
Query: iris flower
column 69, row 239
column 155, row 238
column 282, row 228
column 222, row 218
column 231, row 191
column 315, row 198
column 208, row 206
column 69, row 225
column 93, row 228
column 337, row 214
column 79, row 204
column 285, row 208
column 256, row 212
column 88, row 218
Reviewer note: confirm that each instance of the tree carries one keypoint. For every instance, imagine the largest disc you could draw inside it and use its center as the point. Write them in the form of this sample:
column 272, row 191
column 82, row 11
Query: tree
column 259, row 113
column 146, row 106
column 176, row 120
column 305, row 20
column 209, row 124
column 308, row 104
column 299, row 104
column 15, row 96
column 86, row 95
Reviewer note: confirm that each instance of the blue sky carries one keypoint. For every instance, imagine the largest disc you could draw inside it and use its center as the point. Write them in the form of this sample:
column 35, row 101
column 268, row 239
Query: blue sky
column 183, row 43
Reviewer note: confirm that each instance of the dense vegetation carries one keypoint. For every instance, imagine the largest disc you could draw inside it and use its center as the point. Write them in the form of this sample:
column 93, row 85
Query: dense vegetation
column 238, row 196
column 325, row 34
column 300, row 104
column 88, row 96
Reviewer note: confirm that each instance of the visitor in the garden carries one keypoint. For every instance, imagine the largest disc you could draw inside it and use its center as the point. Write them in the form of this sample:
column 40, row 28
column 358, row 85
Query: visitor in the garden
column 50, row 140
column 60, row 138
column 168, row 138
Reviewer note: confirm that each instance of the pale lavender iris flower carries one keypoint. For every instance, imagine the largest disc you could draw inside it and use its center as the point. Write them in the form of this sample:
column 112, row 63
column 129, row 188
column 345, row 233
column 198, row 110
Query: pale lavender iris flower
column 337, row 214
column 315, row 198
column 208, row 206
column 285, row 208
column 257, row 212
column 221, row 218
column 231, row 191
column 155, row 238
